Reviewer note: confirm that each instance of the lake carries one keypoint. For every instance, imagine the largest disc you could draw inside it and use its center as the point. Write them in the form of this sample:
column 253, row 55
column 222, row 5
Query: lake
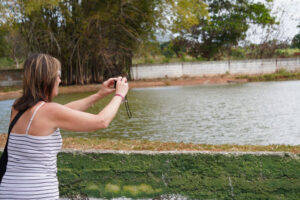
column 258, row 113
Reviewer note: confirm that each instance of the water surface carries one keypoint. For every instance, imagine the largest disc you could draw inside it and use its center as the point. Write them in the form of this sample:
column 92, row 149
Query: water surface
column 251, row 113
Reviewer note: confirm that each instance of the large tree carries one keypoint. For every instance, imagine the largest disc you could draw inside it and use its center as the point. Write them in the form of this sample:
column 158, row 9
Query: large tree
column 226, row 25
column 93, row 39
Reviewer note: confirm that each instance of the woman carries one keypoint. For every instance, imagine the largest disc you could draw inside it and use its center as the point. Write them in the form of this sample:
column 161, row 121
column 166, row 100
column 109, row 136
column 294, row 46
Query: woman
column 35, row 139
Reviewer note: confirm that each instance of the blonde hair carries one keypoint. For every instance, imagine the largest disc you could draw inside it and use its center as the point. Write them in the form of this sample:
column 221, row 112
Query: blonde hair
column 40, row 74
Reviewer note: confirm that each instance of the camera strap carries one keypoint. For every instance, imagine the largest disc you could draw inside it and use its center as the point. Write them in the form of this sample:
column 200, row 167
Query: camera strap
column 127, row 108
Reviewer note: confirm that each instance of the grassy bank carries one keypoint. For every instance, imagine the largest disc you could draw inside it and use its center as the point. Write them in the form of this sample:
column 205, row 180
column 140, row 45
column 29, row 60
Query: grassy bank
column 145, row 145
column 195, row 176
column 280, row 75
column 10, row 88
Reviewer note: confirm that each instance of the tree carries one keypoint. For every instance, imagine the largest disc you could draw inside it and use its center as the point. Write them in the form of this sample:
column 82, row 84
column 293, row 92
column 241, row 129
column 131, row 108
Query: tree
column 96, row 39
column 296, row 40
column 3, row 42
column 178, row 45
column 226, row 25
column 93, row 39
column 12, row 43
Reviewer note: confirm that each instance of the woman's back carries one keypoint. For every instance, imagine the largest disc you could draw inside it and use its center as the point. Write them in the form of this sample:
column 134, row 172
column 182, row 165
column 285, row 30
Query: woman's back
column 31, row 168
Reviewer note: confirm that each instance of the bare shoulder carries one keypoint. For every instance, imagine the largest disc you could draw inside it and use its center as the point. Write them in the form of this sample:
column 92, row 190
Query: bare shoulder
column 54, row 109
column 50, row 106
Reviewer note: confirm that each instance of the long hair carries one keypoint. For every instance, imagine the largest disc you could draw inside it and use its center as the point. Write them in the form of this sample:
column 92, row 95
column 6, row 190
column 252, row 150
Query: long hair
column 40, row 74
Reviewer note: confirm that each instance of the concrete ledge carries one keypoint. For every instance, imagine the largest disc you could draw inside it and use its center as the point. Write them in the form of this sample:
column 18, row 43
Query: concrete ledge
column 232, row 153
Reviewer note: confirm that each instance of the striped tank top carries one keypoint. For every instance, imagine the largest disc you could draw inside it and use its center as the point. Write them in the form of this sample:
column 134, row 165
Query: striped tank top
column 31, row 167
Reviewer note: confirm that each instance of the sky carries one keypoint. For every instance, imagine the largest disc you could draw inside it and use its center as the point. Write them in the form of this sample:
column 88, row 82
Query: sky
column 291, row 17
column 287, row 13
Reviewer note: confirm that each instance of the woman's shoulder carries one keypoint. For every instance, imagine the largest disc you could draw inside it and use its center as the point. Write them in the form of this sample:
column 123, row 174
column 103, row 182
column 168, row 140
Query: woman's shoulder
column 52, row 109
column 48, row 107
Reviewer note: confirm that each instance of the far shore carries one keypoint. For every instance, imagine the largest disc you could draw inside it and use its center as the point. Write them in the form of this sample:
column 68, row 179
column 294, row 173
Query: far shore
column 182, row 81
column 281, row 75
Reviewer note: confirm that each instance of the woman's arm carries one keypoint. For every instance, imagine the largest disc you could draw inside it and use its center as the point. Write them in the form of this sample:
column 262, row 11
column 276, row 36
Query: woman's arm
column 61, row 116
column 85, row 103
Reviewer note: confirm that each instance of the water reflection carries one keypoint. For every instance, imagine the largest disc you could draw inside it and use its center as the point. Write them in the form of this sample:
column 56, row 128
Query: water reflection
column 251, row 113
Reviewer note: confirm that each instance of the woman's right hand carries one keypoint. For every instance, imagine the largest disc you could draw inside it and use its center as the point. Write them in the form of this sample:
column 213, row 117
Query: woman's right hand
column 122, row 86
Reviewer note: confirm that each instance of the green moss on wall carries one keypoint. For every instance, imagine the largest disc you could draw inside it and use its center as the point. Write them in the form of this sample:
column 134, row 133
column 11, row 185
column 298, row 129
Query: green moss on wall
column 197, row 176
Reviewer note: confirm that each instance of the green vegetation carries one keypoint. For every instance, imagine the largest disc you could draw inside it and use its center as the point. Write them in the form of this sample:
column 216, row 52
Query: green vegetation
column 196, row 176
column 238, row 53
column 281, row 74
column 296, row 40
column 193, row 175
column 7, row 63
column 158, row 59
column 9, row 88
column 98, row 39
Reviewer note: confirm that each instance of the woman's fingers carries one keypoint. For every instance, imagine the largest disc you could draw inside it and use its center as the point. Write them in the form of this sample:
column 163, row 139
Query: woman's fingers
column 122, row 86
column 109, row 82
column 124, row 80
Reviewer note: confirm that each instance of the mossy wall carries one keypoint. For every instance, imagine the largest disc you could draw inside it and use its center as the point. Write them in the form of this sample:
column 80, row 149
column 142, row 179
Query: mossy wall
column 195, row 176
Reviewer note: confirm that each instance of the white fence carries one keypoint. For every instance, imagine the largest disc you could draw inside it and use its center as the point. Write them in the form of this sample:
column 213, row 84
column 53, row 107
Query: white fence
column 235, row 67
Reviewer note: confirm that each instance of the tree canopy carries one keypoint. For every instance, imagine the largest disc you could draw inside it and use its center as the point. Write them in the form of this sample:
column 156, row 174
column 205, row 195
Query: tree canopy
column 93, row 39
column 96, row 39
column 226, row 25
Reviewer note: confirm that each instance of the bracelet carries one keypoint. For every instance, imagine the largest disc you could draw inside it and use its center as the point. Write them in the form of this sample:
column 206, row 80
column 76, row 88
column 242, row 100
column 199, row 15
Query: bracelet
column 120, row 96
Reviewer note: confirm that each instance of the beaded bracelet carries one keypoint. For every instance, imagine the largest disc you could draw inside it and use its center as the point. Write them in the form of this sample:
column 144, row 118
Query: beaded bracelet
column 123, row 98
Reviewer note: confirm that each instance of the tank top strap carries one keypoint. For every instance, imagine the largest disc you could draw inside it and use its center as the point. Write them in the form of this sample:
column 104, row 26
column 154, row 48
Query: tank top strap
column 35, row 111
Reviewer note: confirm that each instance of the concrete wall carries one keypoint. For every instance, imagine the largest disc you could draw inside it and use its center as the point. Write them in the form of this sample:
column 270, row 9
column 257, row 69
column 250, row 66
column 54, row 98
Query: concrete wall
column 11, row 77
column 235, row 67
column 259, row 66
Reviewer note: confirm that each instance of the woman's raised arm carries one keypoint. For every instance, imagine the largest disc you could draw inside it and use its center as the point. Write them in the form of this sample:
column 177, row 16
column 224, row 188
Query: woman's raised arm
column 85, row 103
column 69, row 119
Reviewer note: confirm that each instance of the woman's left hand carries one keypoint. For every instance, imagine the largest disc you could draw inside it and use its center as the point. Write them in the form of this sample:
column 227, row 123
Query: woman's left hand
column 107, row 87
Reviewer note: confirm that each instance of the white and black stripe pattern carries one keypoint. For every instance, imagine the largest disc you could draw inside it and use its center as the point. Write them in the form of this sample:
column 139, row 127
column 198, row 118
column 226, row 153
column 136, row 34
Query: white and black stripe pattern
column 31, row 168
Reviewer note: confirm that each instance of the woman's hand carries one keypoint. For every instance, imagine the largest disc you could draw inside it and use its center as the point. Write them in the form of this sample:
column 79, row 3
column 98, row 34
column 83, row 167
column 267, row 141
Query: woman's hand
column 122, row 86
column 107, row 87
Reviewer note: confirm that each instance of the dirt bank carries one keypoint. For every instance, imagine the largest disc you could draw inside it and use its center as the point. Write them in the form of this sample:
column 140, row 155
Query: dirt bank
column 140, row 84
column 77, row 143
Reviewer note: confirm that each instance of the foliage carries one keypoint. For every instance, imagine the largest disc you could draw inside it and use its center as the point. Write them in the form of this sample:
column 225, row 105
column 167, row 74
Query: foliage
column 93, row 39
column 195, row 176
column 167, row 50
column 266, row 49
column 228, row 23
column 178, row 45
column 296, row 41
column 280, row 75
column 188, row 13
column 12, row 46
column 3, row 43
